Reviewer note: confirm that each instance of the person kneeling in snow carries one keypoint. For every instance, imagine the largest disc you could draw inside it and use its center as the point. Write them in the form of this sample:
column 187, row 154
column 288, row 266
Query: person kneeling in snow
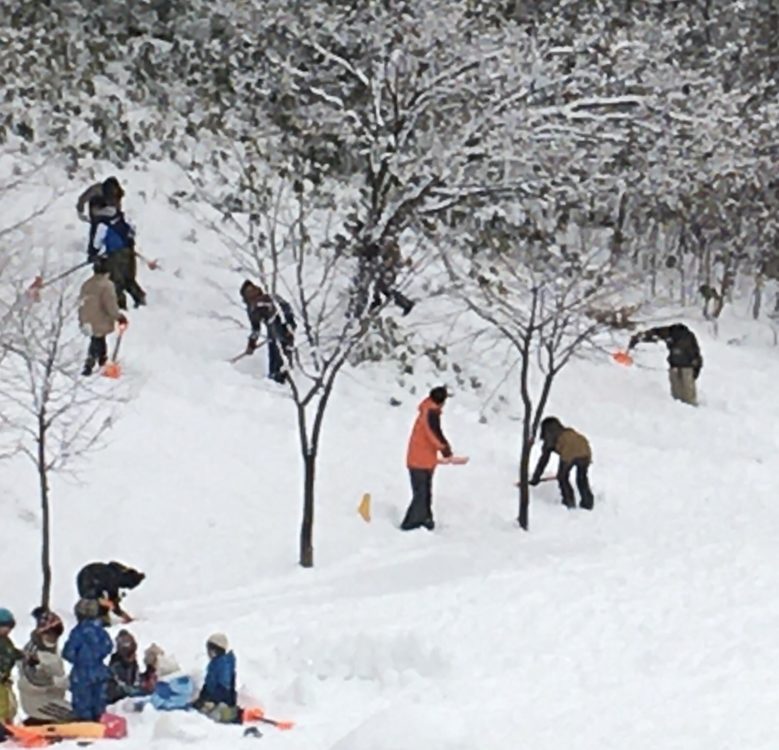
column 42, row 680
column 218, row 699
column 87, row 648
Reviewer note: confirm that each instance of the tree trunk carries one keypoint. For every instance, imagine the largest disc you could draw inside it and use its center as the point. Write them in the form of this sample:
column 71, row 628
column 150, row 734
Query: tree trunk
column 524, row 483
column 45, row 531
column 307, row 527
column 757, row 297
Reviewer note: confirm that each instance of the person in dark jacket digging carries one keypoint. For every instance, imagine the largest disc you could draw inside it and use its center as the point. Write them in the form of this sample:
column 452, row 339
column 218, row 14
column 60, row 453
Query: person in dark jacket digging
column 575, row 453
column 684, row 358
column 103, row 582
column 426, row 442
column 279, row 320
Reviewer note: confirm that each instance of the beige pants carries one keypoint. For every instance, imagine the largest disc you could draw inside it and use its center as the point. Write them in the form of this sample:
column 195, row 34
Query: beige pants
column 683, row 385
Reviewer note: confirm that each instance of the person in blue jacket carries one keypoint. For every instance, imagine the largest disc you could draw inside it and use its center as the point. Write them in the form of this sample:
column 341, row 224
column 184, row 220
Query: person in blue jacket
column 87, row 648
column 218, row 699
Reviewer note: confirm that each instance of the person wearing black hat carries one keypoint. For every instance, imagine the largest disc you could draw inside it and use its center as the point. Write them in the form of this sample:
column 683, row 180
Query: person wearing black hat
column 426, row 442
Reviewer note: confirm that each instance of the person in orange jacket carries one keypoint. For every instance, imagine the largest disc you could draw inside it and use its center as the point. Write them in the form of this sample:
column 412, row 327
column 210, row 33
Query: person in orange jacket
column 426, row 441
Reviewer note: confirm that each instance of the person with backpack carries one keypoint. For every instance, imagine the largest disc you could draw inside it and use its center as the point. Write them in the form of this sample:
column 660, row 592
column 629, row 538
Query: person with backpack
column 279, row 319
column 114, row 238
column 684, row 358
column 98, row 314
column 575, row 453
column 42, row 679
column 102, row 200
column 426, row 442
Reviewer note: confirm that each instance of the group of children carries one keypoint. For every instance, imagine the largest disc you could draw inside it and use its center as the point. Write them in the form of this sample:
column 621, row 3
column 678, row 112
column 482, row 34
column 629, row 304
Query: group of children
column 93, row 683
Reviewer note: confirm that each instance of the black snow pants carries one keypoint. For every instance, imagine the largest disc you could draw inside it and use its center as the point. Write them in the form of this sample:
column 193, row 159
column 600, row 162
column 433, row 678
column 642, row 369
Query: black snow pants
column 97, row 354
column 582, row 466
column 420, row 512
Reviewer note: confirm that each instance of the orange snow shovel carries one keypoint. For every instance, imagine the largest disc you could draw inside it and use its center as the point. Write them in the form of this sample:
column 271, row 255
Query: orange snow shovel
column 622, row 358
column 153, row 265
column 111, row 369
column 252, row 715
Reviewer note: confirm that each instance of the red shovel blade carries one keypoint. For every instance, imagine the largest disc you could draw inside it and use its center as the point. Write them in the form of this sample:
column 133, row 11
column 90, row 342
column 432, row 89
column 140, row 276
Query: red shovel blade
column 112, row 370
column 622, row 358
column 34, row 290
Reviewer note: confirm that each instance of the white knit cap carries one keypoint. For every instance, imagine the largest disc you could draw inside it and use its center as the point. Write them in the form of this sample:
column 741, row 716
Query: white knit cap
column 219, row 640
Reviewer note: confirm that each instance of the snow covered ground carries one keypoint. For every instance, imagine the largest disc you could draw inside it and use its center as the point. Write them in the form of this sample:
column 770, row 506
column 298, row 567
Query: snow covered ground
column 649, row 623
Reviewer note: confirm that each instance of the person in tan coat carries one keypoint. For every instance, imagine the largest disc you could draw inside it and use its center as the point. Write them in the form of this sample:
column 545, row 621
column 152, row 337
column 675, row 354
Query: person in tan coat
column 98, row 314
column 575, row 452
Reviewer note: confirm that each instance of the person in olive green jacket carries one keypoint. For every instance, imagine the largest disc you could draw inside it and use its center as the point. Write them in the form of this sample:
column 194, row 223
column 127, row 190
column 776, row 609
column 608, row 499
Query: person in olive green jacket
column 9, row 655
column 575, row 452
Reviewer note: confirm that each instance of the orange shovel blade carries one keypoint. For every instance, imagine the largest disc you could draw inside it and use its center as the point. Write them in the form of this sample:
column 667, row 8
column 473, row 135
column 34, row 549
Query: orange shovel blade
column 253, row 714
column 622, row 358
column 112, row 370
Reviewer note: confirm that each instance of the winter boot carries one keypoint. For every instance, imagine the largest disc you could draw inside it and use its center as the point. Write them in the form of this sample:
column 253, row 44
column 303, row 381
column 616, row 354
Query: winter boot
column 403, row 302
column 89, row 365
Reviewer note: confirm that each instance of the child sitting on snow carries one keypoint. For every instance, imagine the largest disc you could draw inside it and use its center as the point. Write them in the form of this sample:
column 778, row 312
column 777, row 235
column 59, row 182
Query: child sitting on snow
column 9, row 655
column 42, row 680
column 123, row 665
column 126, row 677
column 218, row 699
column 87, row 648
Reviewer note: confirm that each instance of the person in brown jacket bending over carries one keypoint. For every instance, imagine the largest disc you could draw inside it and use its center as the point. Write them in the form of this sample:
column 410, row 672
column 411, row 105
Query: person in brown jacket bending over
column 574, row 451
column 98, row 314
column 426, row 441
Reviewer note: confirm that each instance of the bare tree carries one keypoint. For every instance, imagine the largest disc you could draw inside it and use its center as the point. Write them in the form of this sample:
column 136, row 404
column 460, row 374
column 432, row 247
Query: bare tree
column 546, row 306
column 48, row 413
column 289, row 243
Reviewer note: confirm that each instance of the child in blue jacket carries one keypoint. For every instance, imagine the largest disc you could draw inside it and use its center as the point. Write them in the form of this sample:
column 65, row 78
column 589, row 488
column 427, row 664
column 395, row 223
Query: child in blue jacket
column 218, row 699
column 87, row 648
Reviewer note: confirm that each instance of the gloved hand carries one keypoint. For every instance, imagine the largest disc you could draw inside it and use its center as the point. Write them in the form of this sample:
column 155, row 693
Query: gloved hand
column 123, row 322
column 251, row 345
column 534, row 481
column 446, row 451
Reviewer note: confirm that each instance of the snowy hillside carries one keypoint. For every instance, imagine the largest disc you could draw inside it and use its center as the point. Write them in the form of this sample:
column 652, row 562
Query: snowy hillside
column 648, row 623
